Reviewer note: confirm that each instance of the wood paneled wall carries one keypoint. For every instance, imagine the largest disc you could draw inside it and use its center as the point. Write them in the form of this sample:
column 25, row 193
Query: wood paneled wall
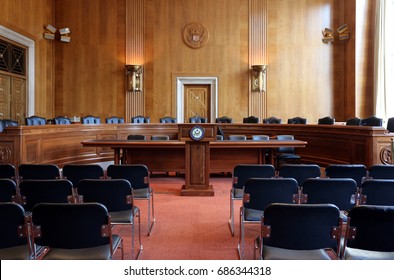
column 29, row 18
column 305, row 76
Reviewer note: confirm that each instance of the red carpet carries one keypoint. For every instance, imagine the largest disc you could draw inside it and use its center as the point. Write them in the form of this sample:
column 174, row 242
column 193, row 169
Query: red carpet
column 189, row 228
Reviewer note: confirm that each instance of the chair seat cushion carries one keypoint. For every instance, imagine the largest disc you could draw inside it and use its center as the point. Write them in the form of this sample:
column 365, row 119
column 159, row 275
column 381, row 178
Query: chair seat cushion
column 15, row 253
column 94, row 253
column 123, row 217
column 238, row 193
column 358, row 254
column 253, row 215
column 275, row 253
column 143, row 193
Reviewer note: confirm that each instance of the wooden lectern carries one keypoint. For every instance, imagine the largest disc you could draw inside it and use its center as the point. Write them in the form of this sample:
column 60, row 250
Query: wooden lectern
column 197, row 157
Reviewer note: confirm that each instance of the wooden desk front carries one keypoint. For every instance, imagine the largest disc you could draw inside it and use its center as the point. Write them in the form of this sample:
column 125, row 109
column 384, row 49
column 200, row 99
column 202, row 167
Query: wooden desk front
column 163, row 156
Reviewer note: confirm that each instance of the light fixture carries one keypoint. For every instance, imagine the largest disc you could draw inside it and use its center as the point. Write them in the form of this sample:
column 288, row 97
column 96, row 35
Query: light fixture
column 259, row 78
column 343, row 32
column 328, row 35
column 134, row 77
column 51, row 32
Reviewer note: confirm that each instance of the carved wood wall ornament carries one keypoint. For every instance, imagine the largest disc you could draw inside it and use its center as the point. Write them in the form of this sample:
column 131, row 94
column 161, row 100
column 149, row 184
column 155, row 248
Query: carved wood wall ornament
column 195, row 35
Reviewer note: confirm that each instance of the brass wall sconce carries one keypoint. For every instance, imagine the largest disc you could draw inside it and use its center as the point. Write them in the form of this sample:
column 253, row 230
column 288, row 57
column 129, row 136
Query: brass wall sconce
column 259, row 77
column 343, row 34
column 51, row 33
column 134, row 77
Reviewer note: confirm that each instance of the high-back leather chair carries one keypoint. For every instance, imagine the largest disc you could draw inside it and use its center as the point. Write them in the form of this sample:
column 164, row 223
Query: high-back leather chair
column 168, row 120
column 297, row 120
column 62, row 120
column 198, row 120
column 372, row 121
column 114, row 119
column 390, row 124
column 35, row 120
column 224, row 119
column 90, row 120
column 326, row 120
column 353, row 121
column 140, row 119
column 272, row 120
column 251, row 119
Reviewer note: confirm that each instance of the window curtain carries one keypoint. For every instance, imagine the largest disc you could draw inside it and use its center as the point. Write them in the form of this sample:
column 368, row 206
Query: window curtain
column 384, row 59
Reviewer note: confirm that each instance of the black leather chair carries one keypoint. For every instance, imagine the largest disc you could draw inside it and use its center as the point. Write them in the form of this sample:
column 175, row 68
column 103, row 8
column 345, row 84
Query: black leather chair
column 381, row 171
column 6, row 123
column 76, row 231
column 369, row 235
column 353, row 121
column 35, row 120
column 224, row 119
column 90, row 120
column 38, row 171
column 14, row 233
column 241, row 173
column 168, row 120
column 358, row 172
column 372, row 121
column 326, row 120
column 114, row 119
column 300, row 172
column 390, row 125
column 62, row 120
column 297, row 120
column 198, row 120
column 251, row 119
column 136, row 137
column 117, row 196
column 138, row 176
column 300, row 232
column 258, row 194
column 78, row 172
column 286, row 154
column 160, row 137
column 272, row 120
column 140, row 119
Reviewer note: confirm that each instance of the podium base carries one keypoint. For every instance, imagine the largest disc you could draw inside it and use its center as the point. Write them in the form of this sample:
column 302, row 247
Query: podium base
column 197, row 192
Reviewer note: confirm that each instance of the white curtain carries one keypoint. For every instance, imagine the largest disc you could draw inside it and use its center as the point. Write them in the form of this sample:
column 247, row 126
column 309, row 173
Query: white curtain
column 384, row 59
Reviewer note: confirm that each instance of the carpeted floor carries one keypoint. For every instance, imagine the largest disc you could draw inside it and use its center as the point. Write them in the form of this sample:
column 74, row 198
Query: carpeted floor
column 189, row 228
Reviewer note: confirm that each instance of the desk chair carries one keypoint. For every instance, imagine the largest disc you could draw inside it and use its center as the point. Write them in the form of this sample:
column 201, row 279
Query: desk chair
column 300, row 232
column 90, row 120
column 6, row 123
column 237, row 137
column 198, row 120
column 297, row 120
column 168, row 120
column 114, row 120
column 326, row 120
column 78, row 231
column 258, row 194
column 272, row 120
column 35, row 120
column 372, row 121
column 353, row 121
column 286, row 154
column 136, row 137
column 140, row 119
column 251, row 119
column 390, row 125
column 369, row 235
column 241, row 173
column 224, row 119
column 62, row 120
column 160, row 137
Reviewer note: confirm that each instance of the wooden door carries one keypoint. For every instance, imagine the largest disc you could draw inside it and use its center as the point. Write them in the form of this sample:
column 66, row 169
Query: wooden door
column 197, row 101
column 12, row 98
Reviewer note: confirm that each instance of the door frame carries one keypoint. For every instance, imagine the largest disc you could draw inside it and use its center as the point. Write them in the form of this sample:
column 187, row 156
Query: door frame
column 30, row 44
column 181, row 81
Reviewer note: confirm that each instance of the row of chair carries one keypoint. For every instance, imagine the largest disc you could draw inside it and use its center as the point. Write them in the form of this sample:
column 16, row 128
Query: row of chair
column 313, row 232
column 137, row 174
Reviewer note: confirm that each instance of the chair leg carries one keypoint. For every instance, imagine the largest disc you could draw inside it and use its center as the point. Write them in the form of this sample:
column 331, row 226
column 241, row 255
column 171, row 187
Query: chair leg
column 241, row 242
column 231, row 220
column 139, row 236
column 153, row 214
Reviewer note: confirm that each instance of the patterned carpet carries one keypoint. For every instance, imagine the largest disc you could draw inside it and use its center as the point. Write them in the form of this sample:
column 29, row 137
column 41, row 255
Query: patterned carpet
column 189, row 228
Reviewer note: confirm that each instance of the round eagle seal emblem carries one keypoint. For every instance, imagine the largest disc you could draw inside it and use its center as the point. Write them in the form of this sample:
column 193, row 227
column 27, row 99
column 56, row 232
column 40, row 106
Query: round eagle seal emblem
column 195, row 35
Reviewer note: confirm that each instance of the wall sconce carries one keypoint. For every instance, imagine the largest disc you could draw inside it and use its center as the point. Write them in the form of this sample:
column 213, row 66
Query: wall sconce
column 343, row 34
column 134, row 77
column 259, row 78
column 51, row 31
column 328, row 35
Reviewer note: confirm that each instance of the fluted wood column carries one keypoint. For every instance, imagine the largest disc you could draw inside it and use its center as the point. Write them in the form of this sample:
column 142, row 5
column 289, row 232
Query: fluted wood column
column 135, row 27
column 258, row 25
